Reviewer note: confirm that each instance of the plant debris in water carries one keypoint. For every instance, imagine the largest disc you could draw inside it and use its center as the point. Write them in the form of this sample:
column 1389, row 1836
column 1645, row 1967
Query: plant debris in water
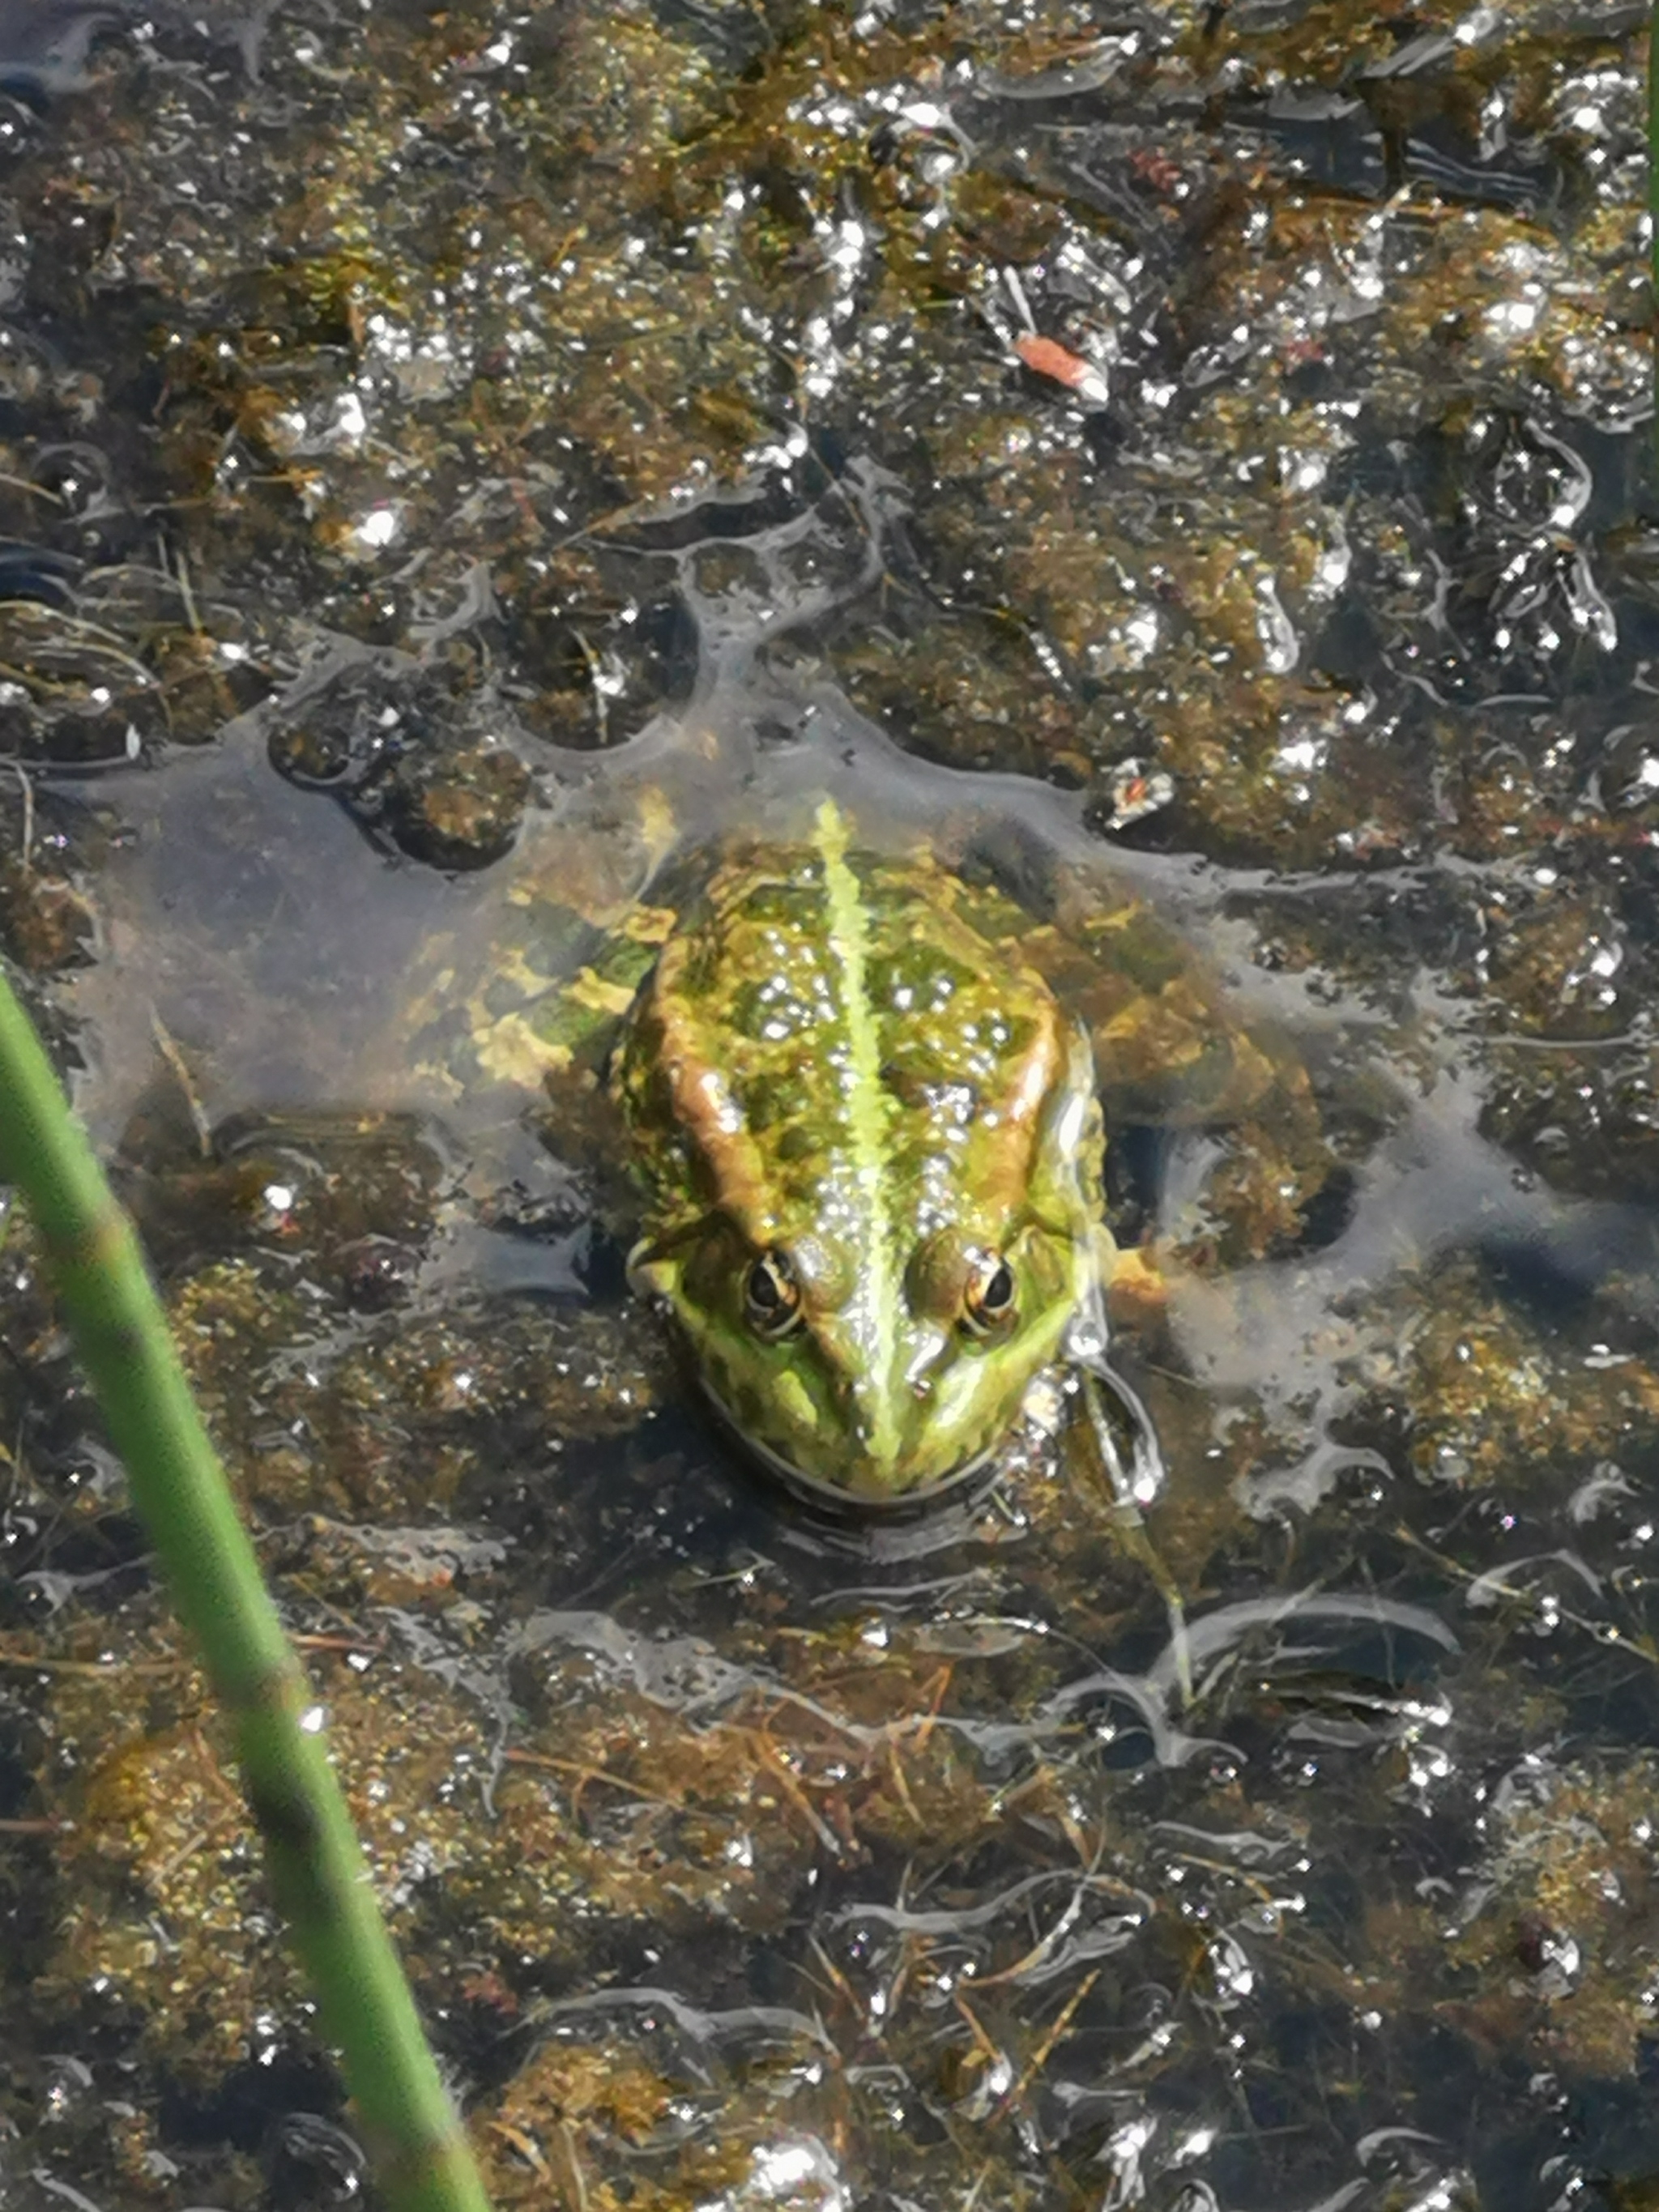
column 455, row 462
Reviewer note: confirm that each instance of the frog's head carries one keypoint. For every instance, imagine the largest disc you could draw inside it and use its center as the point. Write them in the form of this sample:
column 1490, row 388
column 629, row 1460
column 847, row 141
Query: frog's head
column 871, row 1347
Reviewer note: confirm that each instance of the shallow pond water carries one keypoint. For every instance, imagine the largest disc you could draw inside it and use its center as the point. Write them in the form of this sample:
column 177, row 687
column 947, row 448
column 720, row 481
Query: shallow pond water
column 457, row 467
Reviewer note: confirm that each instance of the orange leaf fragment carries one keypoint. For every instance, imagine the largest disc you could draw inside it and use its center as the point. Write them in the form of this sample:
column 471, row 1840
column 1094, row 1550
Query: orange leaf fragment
column 1049, row 358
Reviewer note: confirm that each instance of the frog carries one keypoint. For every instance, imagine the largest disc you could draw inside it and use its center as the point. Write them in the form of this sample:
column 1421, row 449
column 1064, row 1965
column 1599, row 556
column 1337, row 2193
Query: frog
column 870, row 1134
column 910, row 1226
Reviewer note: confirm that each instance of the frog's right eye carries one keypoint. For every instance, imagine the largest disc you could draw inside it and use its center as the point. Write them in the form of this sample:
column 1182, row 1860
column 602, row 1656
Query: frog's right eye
column 987, row 1300
column 771, row 1297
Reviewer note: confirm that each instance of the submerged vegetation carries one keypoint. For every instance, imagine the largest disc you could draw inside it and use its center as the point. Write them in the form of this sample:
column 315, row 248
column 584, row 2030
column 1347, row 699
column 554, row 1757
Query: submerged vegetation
column 456, row 464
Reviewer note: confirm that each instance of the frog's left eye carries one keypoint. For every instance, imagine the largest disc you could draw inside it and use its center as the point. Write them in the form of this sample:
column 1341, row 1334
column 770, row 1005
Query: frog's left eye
column 771, row 1296
column 988, row 1302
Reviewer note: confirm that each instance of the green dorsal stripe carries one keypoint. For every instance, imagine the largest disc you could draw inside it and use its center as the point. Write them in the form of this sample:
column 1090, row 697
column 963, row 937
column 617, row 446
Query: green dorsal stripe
column 866, row 1123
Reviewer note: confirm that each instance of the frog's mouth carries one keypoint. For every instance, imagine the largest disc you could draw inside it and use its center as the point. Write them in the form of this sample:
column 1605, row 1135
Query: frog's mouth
column 852, row 1504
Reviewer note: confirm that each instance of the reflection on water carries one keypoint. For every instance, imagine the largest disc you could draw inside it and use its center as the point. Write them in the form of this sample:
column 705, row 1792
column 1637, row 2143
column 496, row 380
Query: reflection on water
column 1190, row 471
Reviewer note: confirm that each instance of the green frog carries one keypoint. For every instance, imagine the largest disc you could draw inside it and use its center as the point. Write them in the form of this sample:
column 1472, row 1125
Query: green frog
column 870, row 1138
column 867, row 1093
column 871, row 1146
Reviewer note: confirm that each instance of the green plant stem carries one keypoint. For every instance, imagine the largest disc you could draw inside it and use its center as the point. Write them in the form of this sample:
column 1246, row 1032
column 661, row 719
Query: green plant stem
column 316, row 1866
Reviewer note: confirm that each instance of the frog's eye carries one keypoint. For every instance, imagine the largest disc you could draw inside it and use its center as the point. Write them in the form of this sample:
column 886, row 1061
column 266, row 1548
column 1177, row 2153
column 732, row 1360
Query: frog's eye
column 988, row 1302
column 771, row 1296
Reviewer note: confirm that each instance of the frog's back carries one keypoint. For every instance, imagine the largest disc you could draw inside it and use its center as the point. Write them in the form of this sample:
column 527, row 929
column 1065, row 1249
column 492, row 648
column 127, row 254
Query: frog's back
column 834, row 1046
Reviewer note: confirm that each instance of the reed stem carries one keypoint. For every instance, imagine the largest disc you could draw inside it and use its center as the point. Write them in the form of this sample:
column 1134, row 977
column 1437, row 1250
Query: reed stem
column 315, row 1864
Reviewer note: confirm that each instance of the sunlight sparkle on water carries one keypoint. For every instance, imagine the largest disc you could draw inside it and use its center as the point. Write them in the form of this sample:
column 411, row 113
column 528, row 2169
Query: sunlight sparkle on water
column 377, row 529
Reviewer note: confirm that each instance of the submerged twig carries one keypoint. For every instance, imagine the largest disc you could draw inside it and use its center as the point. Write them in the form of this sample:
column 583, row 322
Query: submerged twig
column 167, row 1045
column 1045, row 2049
column 315, row 1864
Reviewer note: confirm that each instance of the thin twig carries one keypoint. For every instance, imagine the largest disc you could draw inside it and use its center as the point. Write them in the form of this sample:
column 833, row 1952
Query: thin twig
column 167, row 1045
column 586, row 1772
column 1040, row 2057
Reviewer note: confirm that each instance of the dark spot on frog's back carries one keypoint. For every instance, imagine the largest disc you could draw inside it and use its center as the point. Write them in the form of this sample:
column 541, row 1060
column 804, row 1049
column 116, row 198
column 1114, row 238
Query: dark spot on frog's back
column 759, row 1010
column 780, row 1102
column 918, row 1089
column 775, row 899
column 698, row 971
column 916, row 976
